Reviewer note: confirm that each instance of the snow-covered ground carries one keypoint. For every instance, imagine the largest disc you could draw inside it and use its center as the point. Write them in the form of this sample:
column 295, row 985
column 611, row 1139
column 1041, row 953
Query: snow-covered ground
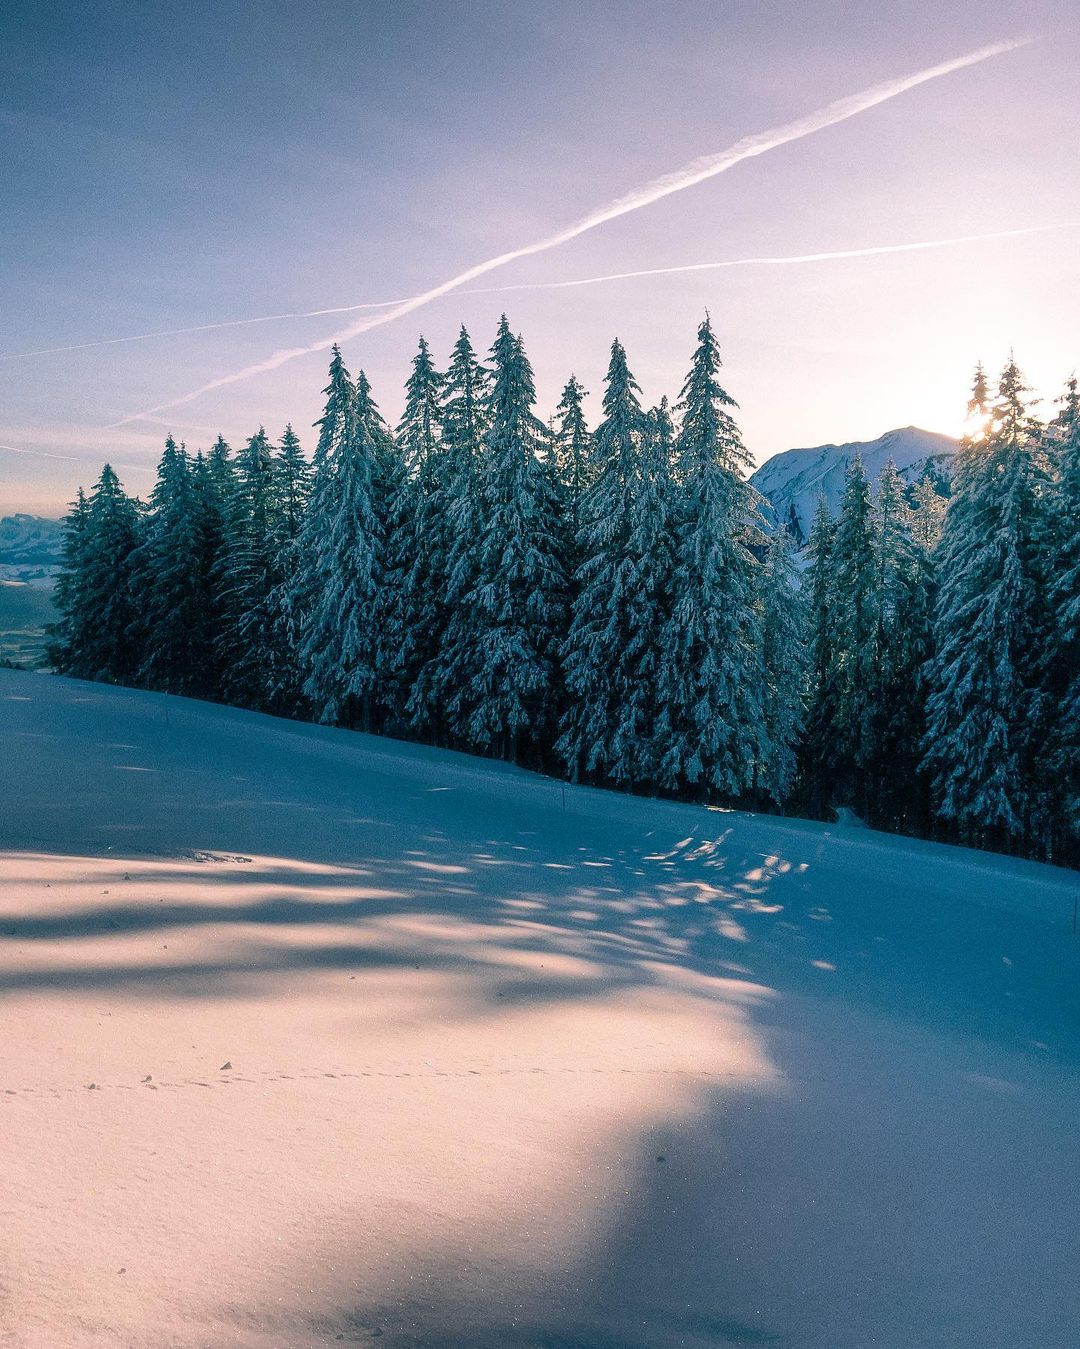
column 311, row 1038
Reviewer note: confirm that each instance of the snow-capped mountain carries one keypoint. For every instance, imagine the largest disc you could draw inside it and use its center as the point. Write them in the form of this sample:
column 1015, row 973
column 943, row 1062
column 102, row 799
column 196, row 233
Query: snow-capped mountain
column 30, row 549
column 792, row 481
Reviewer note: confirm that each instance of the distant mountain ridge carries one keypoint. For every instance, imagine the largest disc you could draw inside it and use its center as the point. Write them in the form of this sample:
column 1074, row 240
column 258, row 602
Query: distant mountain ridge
column 31, row 548
column 792, row 481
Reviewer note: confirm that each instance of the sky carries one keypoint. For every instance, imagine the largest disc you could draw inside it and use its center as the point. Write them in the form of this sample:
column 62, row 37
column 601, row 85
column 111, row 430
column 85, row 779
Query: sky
column 172, row 167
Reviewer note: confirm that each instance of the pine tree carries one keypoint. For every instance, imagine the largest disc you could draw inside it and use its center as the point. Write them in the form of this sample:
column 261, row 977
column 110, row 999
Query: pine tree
column 248, row 577
column 291, row 488
column 982, row 679
column 318, row 598
column 340, row 635
column 712, row 720
column 784, row 666
column 1063, row 679
column 602, row 646
column 573, row 455
column 172, row 620
column 95, row 594
column 928, row 513
column 652, row 545
column 460, row 511
column 515, row 611
column 979, row 404
column 818, row 748
column 214, row 486
column 419, row 542
column 855, row 626
column 903, row 605
column 67, row 636
column 379, row 700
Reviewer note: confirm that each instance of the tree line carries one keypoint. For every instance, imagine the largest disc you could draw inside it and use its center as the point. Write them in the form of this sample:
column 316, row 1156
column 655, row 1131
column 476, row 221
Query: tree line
column 611, row 604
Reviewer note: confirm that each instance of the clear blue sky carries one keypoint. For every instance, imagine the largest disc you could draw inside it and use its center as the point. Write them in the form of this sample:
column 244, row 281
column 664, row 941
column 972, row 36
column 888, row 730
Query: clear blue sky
column 172, row 166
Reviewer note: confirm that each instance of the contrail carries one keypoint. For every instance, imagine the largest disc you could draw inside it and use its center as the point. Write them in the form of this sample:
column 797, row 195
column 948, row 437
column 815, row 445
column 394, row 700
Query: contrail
column 546, row 285
column 197, row 328
column 76, row 459
column 707, row 166
column 43, row 454
column 765, row 261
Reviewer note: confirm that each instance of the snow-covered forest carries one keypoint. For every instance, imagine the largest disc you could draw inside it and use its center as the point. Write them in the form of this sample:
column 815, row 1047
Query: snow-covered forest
column 609, row 604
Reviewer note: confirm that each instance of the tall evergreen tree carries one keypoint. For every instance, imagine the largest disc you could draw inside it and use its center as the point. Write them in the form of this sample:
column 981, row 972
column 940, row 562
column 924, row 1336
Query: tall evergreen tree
column 248, row 577
column 66, row 635
column 928, row 514
column 95, row 594
column 819, row 737
column 318, row 574
column 516, row 607
column 903, row 606
column 602, row 646
column 784, row 666
column 172, row 620
column 982, row 680
column 418, row 541
column 573, row 454
column 340, row 638
column 854, row 623
column 1063, row 679
column 713, row 717
column 214, row 486
column 460, row 509
column 652, row 546
column 291, row 487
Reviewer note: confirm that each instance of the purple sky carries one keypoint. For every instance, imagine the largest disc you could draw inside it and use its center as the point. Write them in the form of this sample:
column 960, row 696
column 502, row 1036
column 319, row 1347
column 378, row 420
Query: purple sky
column 167, row 172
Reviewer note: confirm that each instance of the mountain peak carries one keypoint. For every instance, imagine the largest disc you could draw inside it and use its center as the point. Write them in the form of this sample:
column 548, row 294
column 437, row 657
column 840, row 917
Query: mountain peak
column 793, row 480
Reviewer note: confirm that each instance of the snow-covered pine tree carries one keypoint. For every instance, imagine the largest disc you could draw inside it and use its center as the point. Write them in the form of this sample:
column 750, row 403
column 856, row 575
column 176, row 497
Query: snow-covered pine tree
column 172, row 621
column 340, row 636
column 291, row 486
column 215, row 486
column 713, row 722
column 904, row 600
column 983, row 678
column 979, row 404
column 515, row 610
column 652, row 545
column 66, row 635
column 418, row 544
column 928, row 513
column 572, row 450
column 247, row 579
column 460, row 510
column 854, row 624
column 95, row 593
column 1063, row 748
column 601, row 648
column 784, row 666
column 316, row 559
column 379, row 705
column 819, row 737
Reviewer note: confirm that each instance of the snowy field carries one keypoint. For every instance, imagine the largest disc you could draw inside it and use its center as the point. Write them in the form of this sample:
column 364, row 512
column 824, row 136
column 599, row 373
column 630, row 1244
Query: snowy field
column 311, row 1038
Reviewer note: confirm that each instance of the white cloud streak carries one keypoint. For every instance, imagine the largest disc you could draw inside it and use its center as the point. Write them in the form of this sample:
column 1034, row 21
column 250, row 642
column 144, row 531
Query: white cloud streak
column 42, row 454
column 548, row 285
column 697, row 171
column 196, row 328
column 767, row 261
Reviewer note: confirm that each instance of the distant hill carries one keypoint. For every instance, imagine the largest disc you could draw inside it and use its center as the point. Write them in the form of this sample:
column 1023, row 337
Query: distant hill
column 30, row 549
column 792, row 481
column 30, row 556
